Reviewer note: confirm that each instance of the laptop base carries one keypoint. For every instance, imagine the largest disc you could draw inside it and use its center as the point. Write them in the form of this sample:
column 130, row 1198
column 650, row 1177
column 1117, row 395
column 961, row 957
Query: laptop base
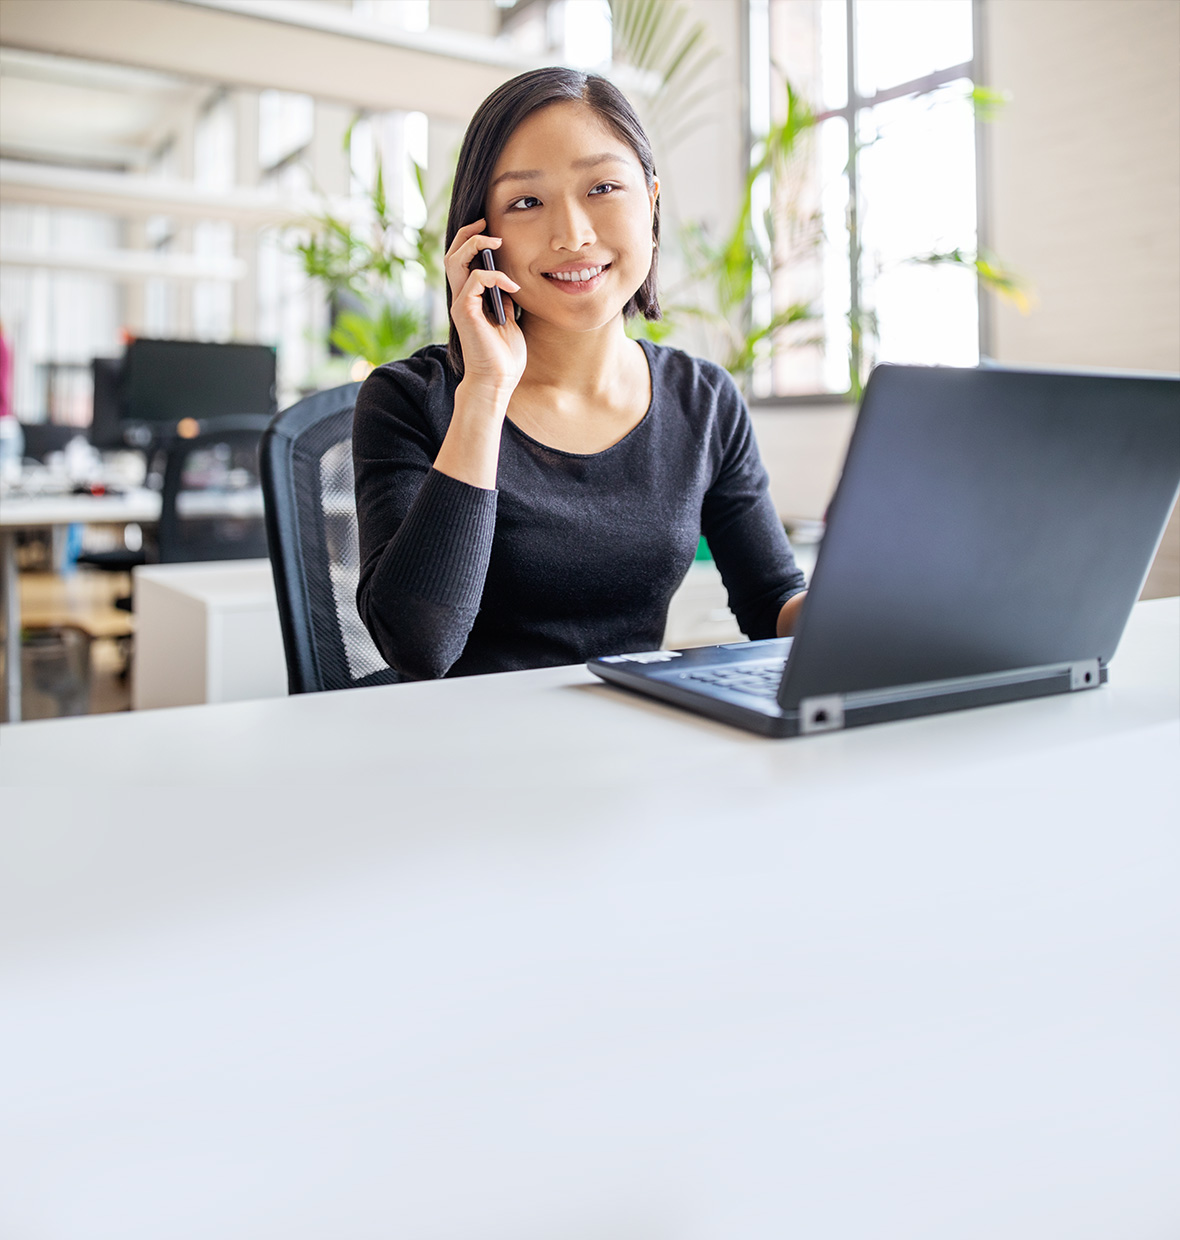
column 667, row 675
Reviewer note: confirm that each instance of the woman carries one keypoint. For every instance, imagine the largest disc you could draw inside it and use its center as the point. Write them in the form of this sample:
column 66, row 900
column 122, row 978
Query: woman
column 533, row 494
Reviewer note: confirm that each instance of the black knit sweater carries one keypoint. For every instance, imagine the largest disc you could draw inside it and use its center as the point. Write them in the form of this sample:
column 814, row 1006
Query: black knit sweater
column 572, row 555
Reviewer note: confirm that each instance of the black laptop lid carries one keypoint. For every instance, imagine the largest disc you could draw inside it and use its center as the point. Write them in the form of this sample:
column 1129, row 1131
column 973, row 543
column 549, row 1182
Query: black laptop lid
column 987, row 520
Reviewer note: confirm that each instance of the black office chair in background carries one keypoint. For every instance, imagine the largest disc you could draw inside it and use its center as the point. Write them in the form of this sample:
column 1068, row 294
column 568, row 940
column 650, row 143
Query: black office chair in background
column 210, row 503
column 314, row 550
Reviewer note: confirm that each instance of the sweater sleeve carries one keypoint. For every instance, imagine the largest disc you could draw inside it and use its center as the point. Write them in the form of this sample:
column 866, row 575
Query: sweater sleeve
column 425, row 538
column 743, row 529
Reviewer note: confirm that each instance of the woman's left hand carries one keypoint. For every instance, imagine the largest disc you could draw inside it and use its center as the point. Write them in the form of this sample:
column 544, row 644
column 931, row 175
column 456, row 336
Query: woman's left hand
column 788, row 618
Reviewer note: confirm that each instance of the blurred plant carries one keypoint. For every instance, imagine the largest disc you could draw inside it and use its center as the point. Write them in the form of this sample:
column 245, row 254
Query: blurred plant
column 722, row 273
column 760, row 247
column 660, row 38
column 379, row 271
column 988, row 103
column 764, row 244
column 989, row 270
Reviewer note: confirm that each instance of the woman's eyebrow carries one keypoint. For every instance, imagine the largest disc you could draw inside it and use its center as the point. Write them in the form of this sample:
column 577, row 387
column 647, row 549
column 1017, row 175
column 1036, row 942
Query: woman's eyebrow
column 587, row 161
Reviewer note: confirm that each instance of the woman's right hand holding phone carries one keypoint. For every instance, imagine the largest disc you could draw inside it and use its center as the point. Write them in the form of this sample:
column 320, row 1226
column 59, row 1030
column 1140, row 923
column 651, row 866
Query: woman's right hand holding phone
column 493, row 361
column 493, row 355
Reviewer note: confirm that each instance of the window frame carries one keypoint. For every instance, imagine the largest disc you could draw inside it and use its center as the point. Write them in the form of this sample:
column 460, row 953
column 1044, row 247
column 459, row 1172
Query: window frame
column 855, row 105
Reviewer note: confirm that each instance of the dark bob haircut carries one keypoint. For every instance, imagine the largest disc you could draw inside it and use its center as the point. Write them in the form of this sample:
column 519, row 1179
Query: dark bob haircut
column 494, row 123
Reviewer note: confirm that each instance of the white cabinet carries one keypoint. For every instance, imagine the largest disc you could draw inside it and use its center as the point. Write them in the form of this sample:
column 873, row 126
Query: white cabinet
column 206, row 633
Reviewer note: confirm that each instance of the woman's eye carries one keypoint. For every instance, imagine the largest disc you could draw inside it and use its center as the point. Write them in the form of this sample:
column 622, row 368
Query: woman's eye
column 605, row 188
column 522, row 204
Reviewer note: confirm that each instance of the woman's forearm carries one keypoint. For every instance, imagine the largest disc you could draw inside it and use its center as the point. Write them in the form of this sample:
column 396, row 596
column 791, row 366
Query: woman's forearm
column 470, row 451
column 419, row 595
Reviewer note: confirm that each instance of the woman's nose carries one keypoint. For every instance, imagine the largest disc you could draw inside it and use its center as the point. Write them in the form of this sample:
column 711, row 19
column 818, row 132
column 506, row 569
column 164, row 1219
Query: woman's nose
column 572, row 229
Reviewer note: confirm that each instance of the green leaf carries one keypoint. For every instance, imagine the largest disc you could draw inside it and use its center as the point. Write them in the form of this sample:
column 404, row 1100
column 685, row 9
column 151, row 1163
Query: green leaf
column 380, row 205
column 988, row 102
column 660, row 37
column 990, row 271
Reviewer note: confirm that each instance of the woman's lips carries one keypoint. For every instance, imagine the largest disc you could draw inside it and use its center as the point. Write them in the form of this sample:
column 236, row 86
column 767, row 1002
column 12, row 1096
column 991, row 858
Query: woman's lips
column 571, row 281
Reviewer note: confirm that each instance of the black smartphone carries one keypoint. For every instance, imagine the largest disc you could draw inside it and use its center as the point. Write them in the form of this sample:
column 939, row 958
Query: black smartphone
column 493, row 303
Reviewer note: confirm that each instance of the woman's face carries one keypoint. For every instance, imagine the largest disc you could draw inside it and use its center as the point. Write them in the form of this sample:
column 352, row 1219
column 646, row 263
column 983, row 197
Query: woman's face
column 570, row 200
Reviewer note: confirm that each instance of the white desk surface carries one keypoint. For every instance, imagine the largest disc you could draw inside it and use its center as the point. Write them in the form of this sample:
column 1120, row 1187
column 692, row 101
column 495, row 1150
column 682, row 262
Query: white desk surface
column 526, row 957
column 23, row 511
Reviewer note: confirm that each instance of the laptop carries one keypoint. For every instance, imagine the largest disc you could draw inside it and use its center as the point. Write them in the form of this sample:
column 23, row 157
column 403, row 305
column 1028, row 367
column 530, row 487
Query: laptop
column 990, row 533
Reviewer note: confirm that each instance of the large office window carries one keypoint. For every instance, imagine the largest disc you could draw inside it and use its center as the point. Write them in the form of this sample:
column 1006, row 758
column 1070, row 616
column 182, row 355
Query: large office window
column 286, row 303
column 214, row 164
column 873, row 218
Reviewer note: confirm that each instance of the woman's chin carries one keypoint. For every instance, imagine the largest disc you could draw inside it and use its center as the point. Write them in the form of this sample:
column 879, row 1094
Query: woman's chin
column 579, row 318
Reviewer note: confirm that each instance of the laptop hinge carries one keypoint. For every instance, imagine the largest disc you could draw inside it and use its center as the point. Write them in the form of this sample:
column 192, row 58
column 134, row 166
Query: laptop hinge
column 1085, row 675
column 821, row 714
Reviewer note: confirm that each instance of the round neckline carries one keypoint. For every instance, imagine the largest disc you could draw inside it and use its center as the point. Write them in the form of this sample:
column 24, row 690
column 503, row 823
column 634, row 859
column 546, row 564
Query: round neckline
column 590, row 456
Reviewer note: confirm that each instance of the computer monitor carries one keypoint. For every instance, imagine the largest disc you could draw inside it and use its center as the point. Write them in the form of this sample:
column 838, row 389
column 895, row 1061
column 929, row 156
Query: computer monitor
column 106, row 425
column 164, row 381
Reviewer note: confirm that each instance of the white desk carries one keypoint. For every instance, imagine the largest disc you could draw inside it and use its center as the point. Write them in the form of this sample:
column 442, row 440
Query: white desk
column 521, row 956
column 19, row 512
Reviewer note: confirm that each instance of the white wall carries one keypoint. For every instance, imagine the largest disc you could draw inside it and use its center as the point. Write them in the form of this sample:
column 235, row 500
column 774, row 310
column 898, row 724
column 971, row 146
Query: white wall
column 1084, row 190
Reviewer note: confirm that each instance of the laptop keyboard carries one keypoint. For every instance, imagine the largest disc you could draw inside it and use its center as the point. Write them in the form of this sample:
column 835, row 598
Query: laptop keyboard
column 761, row 681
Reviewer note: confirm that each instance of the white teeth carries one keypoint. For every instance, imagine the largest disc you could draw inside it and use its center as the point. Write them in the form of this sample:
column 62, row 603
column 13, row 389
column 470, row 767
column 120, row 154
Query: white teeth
column 587, row 273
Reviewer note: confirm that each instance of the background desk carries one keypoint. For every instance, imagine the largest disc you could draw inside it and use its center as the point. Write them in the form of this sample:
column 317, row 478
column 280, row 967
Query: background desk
column 19, row 512
column 524, row 957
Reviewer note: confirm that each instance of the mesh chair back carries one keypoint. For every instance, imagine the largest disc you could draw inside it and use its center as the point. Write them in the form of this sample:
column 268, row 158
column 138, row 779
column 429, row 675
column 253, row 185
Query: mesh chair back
column 211, row 506
column 314, row 549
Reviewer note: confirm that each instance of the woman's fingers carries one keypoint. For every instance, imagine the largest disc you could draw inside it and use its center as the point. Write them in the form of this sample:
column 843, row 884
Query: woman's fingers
column 464, row 251
column 479, row 279
column 470, row 239
column 468, row 230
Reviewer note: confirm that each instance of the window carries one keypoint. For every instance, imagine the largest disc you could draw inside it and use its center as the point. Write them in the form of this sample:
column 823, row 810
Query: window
column 874, row 224
column 214, row 168
column 577, row 33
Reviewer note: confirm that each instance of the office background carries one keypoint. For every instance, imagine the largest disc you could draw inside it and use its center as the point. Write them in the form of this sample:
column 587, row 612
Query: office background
column 521, row 956
column 155, row 152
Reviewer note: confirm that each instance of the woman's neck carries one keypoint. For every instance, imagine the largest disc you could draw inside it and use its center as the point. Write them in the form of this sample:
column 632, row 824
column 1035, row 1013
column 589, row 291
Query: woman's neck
column 581, row 391
column 580, row 363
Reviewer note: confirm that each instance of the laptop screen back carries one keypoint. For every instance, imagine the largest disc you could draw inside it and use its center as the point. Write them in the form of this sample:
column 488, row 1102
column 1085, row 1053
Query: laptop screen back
column 986, row 520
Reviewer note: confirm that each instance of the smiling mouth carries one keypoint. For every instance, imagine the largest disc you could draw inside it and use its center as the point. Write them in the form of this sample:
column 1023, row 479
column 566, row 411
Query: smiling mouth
column 581, row 276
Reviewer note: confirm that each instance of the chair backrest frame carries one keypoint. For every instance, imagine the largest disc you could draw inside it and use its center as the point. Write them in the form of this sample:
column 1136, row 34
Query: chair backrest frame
column 300, row 550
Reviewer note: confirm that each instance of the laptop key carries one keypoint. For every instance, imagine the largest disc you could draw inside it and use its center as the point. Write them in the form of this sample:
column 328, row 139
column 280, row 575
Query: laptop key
column 757, row 681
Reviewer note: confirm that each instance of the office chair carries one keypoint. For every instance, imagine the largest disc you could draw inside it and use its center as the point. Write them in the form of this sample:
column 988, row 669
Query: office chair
column 314, row 549
column 210, row 504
